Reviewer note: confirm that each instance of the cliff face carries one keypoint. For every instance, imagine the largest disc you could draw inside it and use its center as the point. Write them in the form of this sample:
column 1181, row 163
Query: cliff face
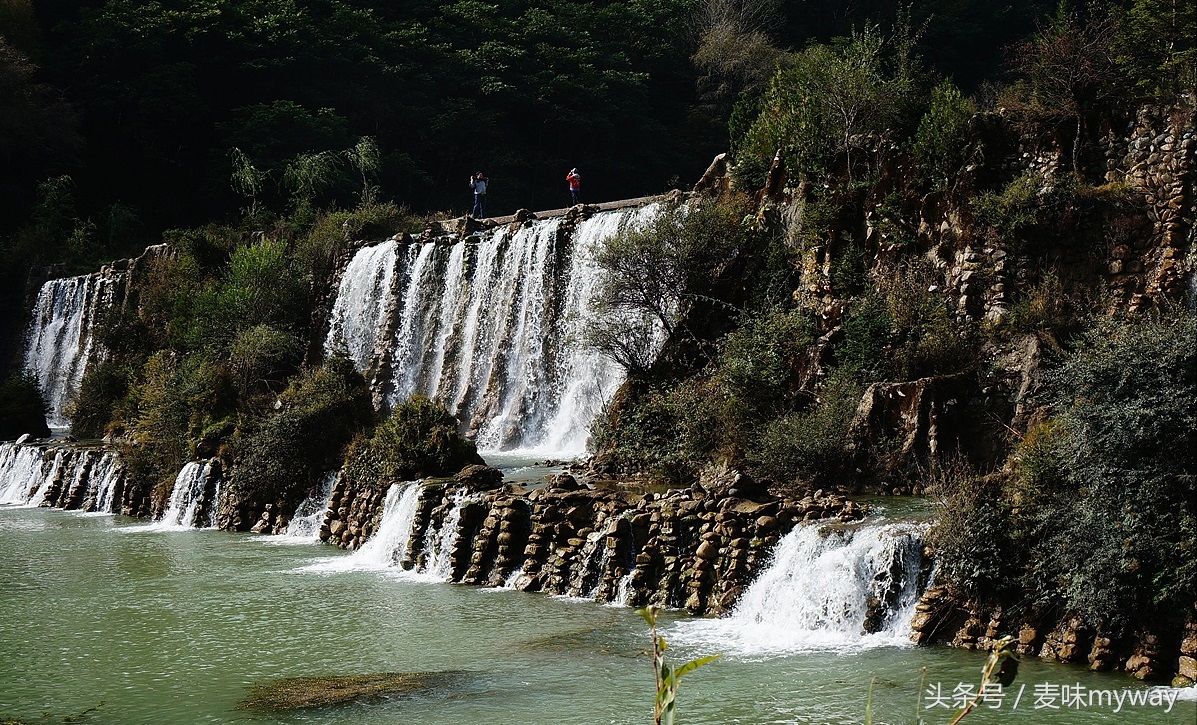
column 1120, row 242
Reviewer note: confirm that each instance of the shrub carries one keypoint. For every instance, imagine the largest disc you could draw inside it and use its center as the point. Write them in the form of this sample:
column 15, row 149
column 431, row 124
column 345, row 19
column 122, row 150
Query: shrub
column 941, row 144
column 318, row 414
column 22, row 408
column 261, row 358
column 419, row 438
column 178, row 396
column 653, row 278
column 808, row 445
column 104, row 386
column 1104, row 505
column 260, row 286
column 974, row 546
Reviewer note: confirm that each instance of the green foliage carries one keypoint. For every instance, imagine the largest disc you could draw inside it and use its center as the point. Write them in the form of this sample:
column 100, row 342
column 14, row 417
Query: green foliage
column 418, row 438
column 22, row 409
column 262, row 285
column 904, row 330
column 808, row 445
column 1013, row 210
column 668, row 678
column 941, row 144
column 177, row 398
column 1100, row 520
column 659, row 280
column 1157, row 46
column 973, row 536
column 316, row 417
column 105, row 385
column 820, row 100
column 261, row 357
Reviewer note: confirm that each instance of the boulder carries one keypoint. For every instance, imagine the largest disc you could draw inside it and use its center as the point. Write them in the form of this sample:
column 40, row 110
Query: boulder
column 480, row 477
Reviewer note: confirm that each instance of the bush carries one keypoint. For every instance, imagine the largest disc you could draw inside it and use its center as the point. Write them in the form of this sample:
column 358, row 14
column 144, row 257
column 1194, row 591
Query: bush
column 318, row 414
column 942, row 145
column 261, row 358
column 659, row 280
column 808, row 445
column 974, row 546
column 1104, row 505
column 22, row 408
column 104, row 387
column 177, row 398
column 419, row 438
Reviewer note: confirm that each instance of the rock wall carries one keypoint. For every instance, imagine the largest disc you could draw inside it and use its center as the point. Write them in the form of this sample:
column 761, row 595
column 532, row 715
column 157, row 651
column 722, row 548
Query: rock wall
column 690, row 548
column 1159, row 654
column 68, row 475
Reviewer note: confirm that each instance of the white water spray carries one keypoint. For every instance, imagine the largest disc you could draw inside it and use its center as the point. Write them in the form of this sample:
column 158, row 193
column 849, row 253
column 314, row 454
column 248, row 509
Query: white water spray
column 494, row 328
column 60, row 343
column 20, row 472
column 817, row 593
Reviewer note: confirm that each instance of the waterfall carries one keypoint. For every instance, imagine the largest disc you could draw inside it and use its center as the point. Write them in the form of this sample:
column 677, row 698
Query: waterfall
column 20, row 472
column 388, row 544
column 438, row 548
column 60, row 340
column 492, row 326
column 304, row 526
column 189, row 508
column 105, row 476
column 362, row 300
column 39, row 496
column 822, row 591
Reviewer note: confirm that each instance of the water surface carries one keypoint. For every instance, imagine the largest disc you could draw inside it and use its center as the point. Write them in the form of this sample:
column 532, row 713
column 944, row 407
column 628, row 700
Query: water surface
column 153, row 626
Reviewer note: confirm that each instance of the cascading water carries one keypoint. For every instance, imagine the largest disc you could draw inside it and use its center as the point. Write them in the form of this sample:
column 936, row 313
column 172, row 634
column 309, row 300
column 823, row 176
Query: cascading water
column 105, row 476
column 20, row 472
column 304, row 526
column 43, row 488
column 362, row 300
column 438, row 548
column 493, row 327
column 60, row 341
column 388, row 545
column 822, row 591
column 187, row 509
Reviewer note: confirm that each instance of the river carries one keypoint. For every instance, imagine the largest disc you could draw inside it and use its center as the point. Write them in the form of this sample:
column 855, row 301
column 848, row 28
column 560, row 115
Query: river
column 114, row 622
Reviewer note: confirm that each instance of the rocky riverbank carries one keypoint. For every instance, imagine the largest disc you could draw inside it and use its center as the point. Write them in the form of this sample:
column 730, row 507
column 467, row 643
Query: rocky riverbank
column 694, row 548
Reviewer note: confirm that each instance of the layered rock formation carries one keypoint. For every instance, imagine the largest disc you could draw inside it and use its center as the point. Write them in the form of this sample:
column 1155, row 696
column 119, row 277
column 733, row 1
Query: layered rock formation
column 688, row 548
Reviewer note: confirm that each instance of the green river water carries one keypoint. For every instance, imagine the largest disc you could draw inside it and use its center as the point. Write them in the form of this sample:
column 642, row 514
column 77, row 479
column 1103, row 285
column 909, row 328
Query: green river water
column 117, row 625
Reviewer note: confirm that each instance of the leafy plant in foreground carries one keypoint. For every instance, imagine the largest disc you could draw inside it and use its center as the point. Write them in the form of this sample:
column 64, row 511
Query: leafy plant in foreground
column 667, row 677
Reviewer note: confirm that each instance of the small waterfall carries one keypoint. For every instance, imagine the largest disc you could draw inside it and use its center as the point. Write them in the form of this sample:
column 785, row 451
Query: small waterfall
column 105, row 476
column 846, row 589
column 39, row 496
column 305, row 522
column 362, row 300
column 492, row 326
column 60, row 340
column 387, row 546
column 188, row 507
column 20, row 472
column 438, row 548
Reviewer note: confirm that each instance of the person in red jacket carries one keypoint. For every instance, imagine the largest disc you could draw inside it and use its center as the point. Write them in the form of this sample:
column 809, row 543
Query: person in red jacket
column 575, row 186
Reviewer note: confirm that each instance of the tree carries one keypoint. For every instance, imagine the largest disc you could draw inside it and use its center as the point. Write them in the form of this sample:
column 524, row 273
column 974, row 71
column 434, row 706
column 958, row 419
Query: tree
column 1070, row 64
column 247, row 180
column 364, row 157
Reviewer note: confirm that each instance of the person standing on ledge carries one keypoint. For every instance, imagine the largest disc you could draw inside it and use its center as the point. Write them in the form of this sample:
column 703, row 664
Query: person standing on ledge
column 575, row 186
column 478, row 184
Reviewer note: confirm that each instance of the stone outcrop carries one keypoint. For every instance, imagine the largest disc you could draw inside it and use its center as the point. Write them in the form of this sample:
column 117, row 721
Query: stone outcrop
column 688, row 548
column 943, row 617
